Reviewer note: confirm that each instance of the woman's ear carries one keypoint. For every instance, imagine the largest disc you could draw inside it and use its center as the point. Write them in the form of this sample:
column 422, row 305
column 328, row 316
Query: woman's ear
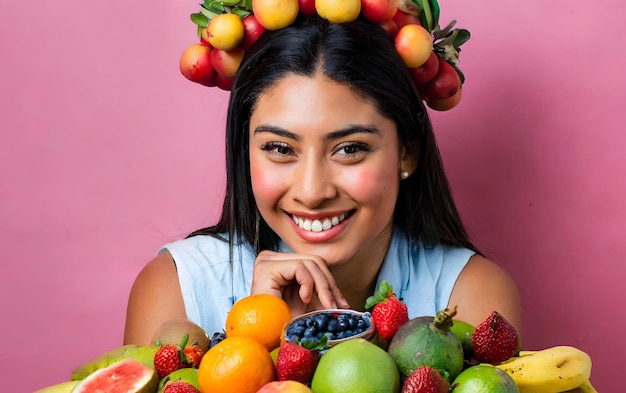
column 408, row 158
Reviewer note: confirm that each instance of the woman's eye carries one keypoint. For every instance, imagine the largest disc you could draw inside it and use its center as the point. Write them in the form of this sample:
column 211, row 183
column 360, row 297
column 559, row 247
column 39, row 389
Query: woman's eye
column 279, row 149
column 352, row 149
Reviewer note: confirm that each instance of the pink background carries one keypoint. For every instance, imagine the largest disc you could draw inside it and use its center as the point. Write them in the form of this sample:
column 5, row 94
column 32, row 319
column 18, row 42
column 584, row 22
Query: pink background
column 108, row 153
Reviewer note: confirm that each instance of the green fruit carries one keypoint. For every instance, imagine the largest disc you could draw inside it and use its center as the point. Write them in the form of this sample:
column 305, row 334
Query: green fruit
column 63, row 387
column 127, row 375
column 187, row 374
column 483, row 378
column 356, row 365
column 142, row 353
column 274, row 354
column 464, row 331
column 428, row 341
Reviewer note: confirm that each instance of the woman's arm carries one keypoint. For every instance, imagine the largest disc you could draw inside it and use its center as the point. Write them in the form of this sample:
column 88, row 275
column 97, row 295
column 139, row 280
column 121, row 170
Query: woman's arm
column 484, row 287
column 154, row 298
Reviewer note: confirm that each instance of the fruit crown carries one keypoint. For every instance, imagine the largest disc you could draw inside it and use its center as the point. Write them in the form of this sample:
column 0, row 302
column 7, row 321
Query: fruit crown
column 214, row 61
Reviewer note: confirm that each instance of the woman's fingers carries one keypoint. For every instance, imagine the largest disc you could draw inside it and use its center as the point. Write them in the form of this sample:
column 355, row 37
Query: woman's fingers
column 297, row 278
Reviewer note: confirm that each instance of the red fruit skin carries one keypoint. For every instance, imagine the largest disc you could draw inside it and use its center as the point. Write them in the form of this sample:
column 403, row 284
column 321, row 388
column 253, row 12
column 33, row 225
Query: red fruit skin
column 252, row 30
column 390, row 27
column 445, row 104
column 307, row 7
column 195, row 64
column 402, row 18
column 425, row 379
column 495, row 340
column 296, row 363
column 388, row 316
column 378, row 11
column 167, row 360
column 194, row 355
column 445, row 84
column 180, row 387
column 226, row 63
column 426, row 72
column 224, row 82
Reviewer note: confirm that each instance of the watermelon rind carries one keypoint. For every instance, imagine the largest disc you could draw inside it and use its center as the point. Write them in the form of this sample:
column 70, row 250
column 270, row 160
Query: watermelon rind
column 126, row 376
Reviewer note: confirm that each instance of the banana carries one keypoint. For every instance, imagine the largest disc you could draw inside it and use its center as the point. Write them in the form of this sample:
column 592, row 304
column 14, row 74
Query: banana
column 552, row 370
column 586, row 387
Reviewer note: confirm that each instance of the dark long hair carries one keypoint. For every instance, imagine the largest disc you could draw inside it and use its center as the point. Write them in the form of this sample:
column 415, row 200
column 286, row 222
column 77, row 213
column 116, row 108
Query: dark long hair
column 362, row 56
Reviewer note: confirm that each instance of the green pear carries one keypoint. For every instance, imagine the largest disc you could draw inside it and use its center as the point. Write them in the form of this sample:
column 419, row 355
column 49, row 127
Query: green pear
column 142, row 353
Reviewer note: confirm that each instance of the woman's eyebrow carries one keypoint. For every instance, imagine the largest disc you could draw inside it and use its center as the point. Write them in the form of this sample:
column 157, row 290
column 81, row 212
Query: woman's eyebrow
column 276, row 130
column 354, row 129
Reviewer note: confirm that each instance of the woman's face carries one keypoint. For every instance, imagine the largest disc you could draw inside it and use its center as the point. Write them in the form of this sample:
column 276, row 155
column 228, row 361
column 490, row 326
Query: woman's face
column 325, row 168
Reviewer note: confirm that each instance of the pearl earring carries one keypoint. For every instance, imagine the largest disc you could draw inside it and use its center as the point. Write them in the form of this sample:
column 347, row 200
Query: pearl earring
column 404, row 174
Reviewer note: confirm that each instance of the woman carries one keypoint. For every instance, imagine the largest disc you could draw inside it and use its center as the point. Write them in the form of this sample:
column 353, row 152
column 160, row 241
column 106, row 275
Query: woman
column 334, row 182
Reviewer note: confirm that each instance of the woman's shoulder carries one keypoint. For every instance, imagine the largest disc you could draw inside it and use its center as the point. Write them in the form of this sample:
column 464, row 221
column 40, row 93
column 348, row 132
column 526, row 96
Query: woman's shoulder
column 215, row 249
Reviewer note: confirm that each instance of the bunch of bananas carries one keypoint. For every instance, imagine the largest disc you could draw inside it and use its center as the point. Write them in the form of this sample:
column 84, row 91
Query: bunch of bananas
column 551, row 370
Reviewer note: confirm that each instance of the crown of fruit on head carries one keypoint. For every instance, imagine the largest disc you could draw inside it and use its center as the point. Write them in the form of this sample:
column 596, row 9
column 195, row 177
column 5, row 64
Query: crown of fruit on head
column 227, row 28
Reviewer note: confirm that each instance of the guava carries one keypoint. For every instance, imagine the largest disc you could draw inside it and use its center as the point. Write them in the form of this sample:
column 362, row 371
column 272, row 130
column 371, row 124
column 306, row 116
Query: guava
column 428, row 341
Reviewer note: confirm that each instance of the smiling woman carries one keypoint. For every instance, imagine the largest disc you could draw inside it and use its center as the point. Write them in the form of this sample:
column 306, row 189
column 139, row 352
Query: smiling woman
column 334, row 183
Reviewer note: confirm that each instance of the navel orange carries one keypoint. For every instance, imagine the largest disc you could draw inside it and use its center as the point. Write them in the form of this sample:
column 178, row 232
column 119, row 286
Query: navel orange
column 236, row 365
column 259, row 317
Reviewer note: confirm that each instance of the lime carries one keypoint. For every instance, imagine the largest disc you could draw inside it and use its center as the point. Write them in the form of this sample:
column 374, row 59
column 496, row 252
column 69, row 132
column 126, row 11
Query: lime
column 356, row 365
column 464, row 331
column 483, row 378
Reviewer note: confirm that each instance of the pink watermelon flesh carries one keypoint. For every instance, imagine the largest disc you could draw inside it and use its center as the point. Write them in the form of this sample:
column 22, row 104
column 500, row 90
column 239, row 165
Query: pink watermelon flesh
column 125, row 376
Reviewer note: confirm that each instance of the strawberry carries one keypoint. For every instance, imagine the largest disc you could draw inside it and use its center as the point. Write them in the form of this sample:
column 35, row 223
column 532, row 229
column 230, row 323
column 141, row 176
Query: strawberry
column 297, row 360
column 167, row 360
column 425, row 379
column 495, row 340
column 170, row 357
column 388, row 312
column 193, row 355
column 180, row 387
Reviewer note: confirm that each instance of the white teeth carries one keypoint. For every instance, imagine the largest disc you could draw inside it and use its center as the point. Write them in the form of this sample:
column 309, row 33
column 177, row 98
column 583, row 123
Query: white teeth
column 317, row 225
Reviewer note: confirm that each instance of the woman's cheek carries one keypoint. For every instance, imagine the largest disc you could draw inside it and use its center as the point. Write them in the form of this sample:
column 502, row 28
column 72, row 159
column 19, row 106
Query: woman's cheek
column 266, row 184
column 371, row 184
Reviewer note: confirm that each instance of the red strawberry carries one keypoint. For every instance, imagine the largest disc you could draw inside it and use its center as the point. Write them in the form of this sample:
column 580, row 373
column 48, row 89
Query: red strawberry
column 180, row 387
column 168, row 359
column 388, row 312
column 193, row 355
column 425, row 379
column 495, row 340
column 296, row 361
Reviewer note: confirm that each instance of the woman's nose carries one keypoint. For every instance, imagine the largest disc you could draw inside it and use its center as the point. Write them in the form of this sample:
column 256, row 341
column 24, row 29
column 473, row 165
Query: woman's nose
column 313, row 183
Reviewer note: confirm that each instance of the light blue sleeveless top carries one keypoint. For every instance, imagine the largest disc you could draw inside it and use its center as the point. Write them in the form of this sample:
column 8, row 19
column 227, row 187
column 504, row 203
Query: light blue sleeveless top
column 422, row 276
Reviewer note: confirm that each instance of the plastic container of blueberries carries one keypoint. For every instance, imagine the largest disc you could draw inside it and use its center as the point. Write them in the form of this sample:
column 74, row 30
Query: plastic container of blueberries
column 369, row 334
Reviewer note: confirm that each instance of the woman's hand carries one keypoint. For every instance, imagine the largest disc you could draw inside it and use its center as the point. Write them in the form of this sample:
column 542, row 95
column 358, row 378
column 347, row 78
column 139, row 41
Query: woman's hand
column 298, row 279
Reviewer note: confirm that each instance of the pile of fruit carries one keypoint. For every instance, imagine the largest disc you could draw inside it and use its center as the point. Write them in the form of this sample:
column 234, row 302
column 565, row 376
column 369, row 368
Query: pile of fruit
column 255, row 354
column 227, row 28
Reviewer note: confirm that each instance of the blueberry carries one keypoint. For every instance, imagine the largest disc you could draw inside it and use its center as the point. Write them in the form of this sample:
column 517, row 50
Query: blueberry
column 333, row 326
column 362, row 324
column 310, row 332
column 216, row 339
column 322, row 320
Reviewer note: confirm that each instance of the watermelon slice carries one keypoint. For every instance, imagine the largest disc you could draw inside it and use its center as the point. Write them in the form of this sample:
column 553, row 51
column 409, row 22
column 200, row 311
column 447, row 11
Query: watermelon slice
column 125, row 376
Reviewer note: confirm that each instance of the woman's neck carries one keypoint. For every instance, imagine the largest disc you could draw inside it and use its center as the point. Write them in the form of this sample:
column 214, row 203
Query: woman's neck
column 357, row 277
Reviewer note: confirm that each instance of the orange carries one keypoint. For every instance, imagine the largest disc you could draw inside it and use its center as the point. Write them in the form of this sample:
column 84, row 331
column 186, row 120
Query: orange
column 259, row 317
column 237, row 365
